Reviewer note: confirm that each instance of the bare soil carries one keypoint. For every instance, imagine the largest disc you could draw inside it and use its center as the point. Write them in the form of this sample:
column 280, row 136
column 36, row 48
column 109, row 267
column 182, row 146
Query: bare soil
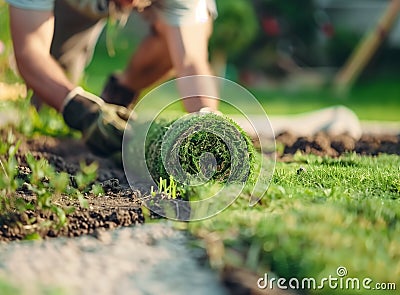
column 323, row 144
column 121, row 205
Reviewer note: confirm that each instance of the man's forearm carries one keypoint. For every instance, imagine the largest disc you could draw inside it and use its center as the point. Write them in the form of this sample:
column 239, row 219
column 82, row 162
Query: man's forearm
column 45, row 77
column 30, row 31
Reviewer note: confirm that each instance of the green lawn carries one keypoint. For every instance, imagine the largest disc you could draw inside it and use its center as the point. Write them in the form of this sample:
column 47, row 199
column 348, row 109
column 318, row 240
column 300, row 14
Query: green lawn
column 335, row 212
column 372, row 98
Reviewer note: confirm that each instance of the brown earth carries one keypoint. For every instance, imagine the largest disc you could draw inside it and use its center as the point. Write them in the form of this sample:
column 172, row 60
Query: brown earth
column 119, row 206
column 323, row 144
column 122, row 206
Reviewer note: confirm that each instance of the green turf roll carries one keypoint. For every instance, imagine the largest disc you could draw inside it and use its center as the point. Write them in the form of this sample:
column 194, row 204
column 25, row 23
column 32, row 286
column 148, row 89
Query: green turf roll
column 200, row 147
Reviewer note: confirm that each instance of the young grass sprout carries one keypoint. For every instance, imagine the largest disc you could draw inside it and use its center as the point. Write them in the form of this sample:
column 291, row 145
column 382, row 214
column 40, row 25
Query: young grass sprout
column 42, row 180
column 168, row 188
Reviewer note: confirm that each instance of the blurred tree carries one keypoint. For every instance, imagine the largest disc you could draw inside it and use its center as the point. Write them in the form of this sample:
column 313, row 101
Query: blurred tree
column 298, row 16
column 234, row 30
column 340, row 45
column 285, row 33
column 288, row 30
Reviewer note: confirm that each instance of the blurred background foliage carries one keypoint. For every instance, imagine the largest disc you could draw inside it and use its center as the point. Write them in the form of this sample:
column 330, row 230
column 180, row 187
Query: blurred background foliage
column 284, row 27
column 258, row 35
column 287, row 52
column 235, row 27
column 7, row 64
column 305, row 33
column 264, row 35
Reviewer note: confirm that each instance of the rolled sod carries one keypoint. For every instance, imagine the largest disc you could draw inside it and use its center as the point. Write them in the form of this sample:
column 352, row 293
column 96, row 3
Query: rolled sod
column 198, row 148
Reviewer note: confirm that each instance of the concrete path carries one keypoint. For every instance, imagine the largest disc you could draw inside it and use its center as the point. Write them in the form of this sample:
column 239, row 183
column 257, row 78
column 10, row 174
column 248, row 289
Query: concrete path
column 147, row 259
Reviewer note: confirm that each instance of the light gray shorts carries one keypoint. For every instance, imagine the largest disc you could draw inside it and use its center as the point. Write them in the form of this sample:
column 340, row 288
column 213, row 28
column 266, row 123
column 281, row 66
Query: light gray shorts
column 174, row 12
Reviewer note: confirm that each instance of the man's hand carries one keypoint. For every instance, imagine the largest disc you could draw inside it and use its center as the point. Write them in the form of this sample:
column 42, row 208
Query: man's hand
column 104, row 136
column 102, row 124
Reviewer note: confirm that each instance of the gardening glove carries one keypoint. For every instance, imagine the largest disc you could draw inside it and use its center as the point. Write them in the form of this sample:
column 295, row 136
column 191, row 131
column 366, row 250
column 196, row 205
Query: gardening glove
column 113, row 92
column 102, row 124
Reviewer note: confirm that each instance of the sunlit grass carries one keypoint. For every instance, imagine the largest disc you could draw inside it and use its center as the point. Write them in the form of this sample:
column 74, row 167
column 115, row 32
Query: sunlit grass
column 371, row 99
column 331, row 213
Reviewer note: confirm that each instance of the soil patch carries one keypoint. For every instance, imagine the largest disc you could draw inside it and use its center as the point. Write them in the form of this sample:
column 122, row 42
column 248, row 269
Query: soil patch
column 118, row 206
column 323, row 144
